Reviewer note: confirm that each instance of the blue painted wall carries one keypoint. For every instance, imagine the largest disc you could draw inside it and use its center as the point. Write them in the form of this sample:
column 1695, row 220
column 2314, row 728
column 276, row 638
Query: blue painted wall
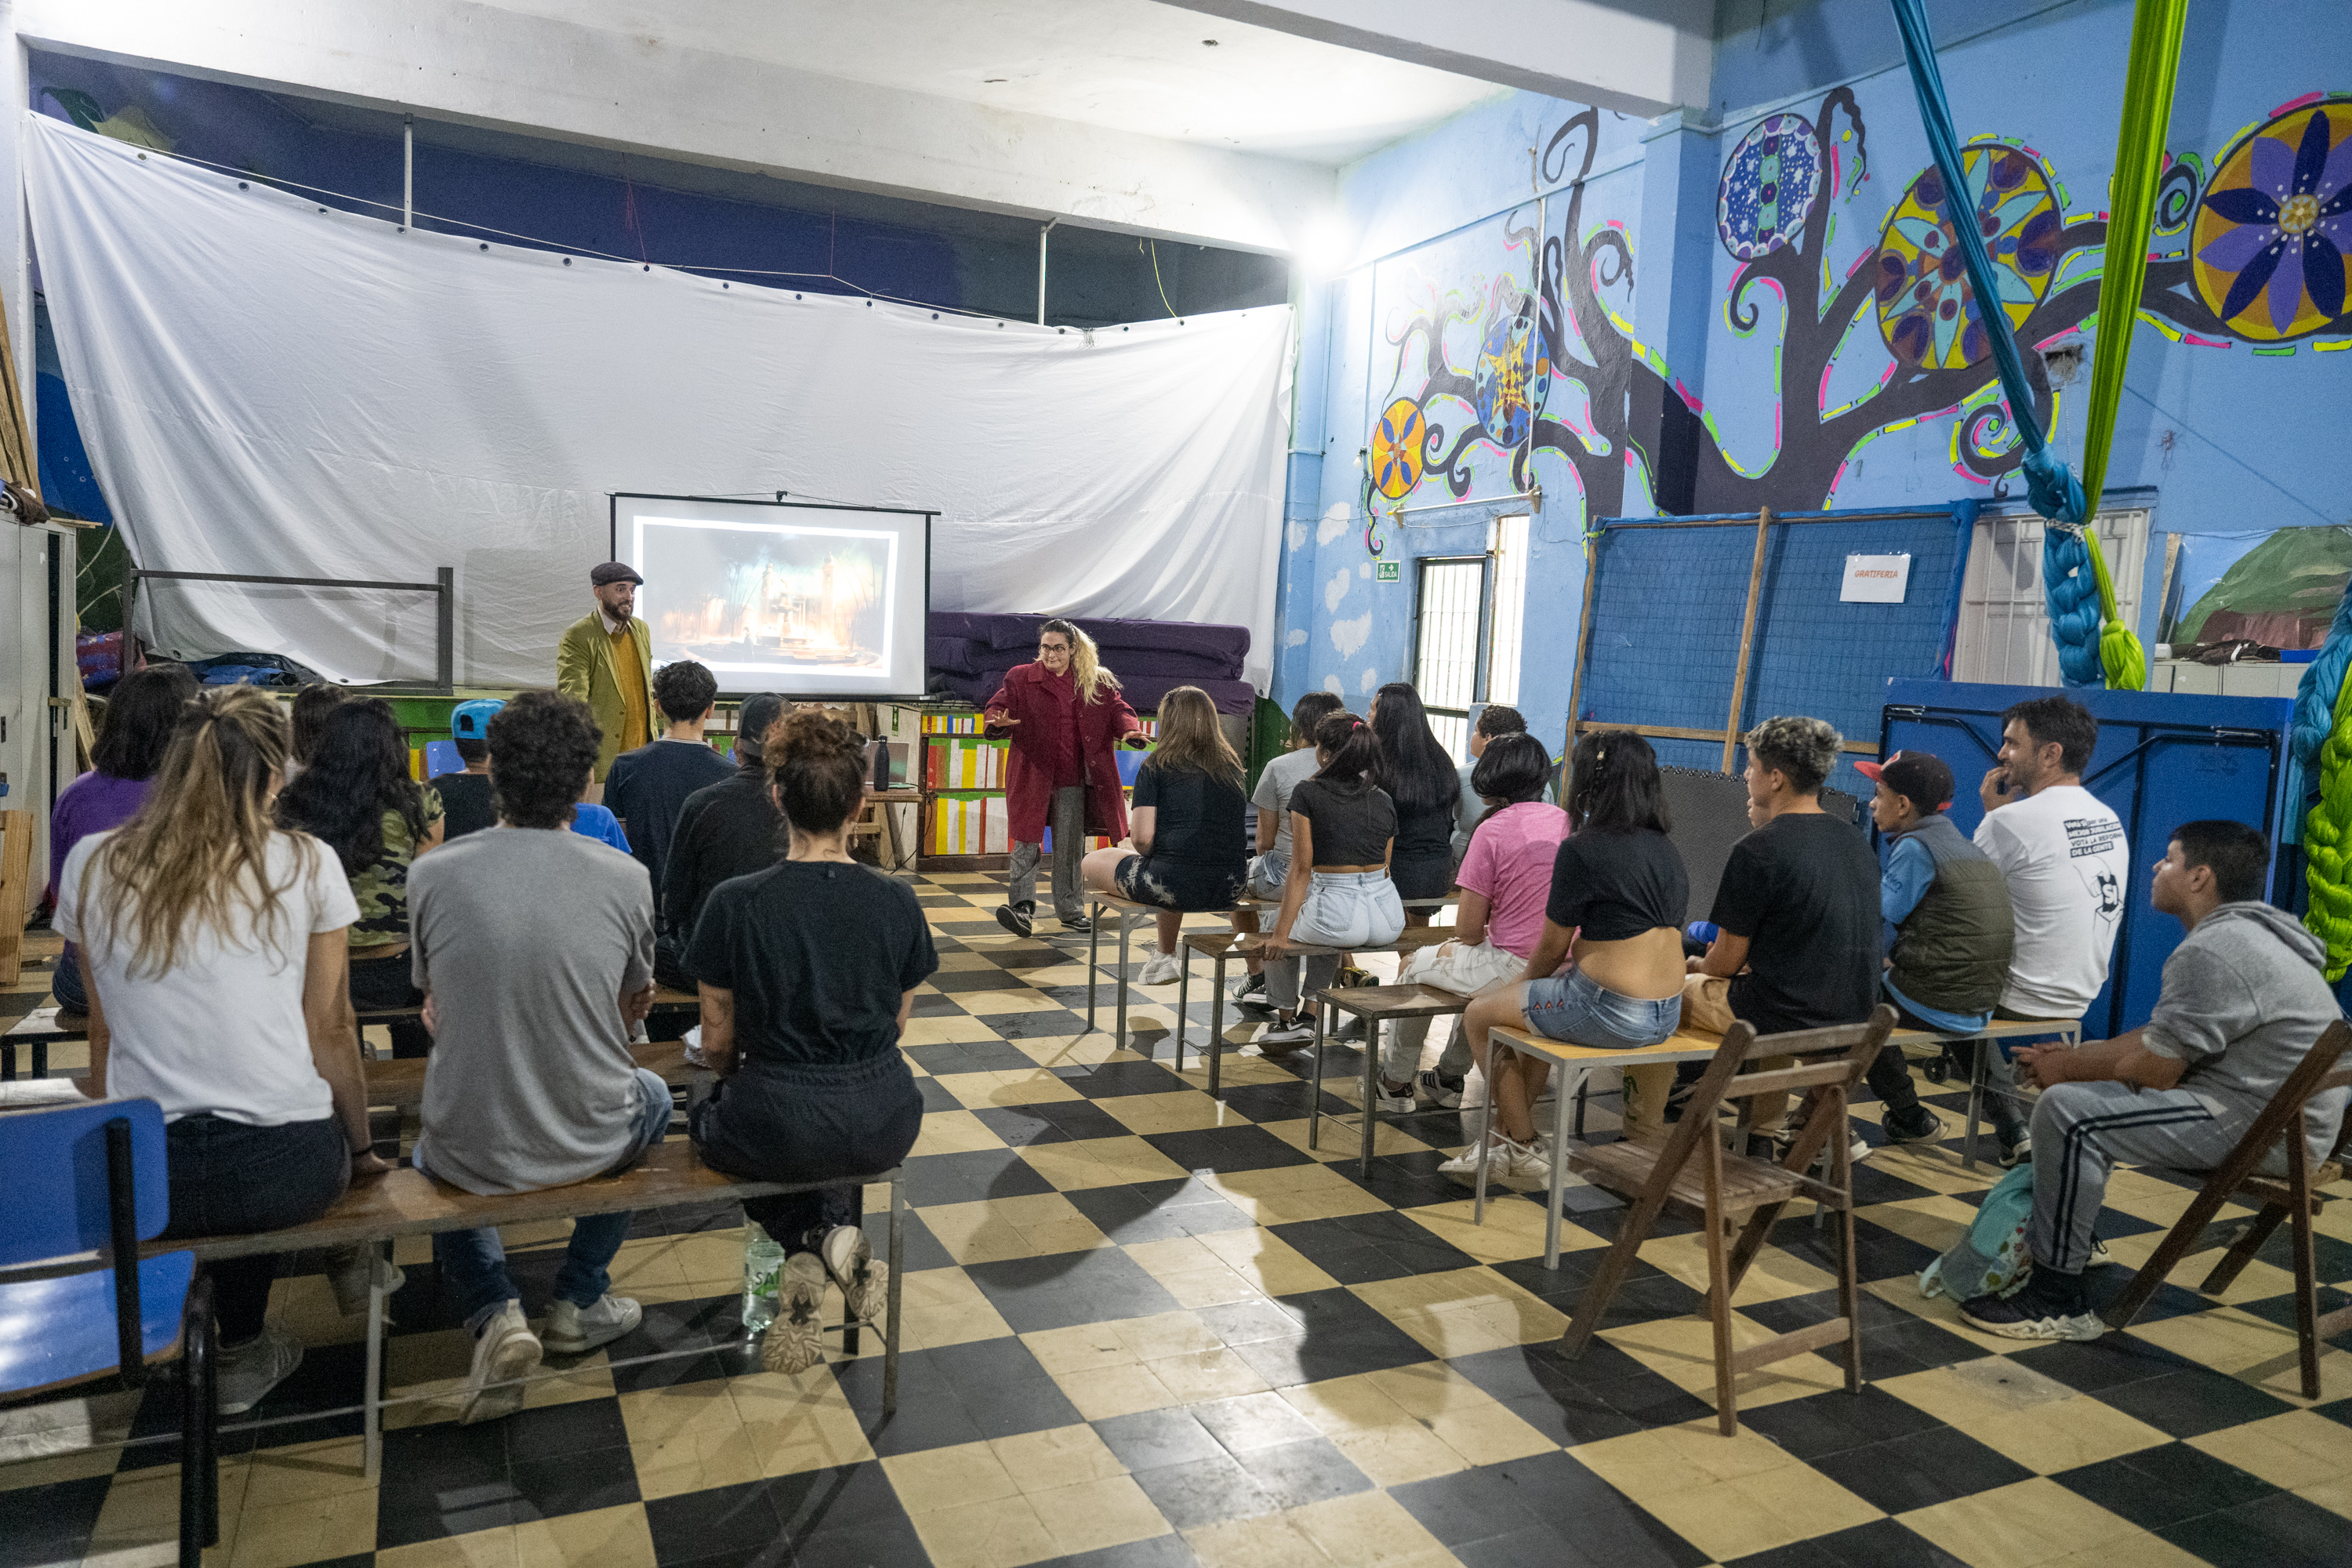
column 1666, row 384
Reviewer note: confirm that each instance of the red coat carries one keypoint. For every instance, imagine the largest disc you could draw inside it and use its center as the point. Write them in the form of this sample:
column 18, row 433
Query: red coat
column 1028, row 695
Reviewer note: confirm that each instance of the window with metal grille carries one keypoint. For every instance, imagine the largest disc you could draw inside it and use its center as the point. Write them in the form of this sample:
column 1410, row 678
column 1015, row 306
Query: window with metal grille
column 2004, row 631
column 1468, row 615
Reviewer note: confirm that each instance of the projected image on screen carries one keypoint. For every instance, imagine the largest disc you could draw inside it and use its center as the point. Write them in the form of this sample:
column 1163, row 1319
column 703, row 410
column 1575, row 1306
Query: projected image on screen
column 777, row 600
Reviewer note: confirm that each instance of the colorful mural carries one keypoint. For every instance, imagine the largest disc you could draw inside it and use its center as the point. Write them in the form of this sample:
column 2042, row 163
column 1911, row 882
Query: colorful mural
column 1472, row 384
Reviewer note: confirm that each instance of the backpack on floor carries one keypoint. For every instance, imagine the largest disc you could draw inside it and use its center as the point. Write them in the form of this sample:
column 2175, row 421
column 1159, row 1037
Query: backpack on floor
column 1992, row 1259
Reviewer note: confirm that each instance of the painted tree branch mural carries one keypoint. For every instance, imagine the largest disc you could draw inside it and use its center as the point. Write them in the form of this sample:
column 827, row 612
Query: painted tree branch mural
column 2256, row 255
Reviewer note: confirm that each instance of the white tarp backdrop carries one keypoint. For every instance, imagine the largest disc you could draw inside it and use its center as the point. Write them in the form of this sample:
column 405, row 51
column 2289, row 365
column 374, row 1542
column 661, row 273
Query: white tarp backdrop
column 268, row 388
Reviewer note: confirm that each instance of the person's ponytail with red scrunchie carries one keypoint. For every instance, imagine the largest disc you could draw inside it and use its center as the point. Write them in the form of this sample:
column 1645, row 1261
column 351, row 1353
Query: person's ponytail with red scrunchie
column 1350, row 751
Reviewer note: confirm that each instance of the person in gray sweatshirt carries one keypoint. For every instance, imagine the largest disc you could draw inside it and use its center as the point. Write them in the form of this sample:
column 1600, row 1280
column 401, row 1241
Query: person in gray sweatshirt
column 2244, row 999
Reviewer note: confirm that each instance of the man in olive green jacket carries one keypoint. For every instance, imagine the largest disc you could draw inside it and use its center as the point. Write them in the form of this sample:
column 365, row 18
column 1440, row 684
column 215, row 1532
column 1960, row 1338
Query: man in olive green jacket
column 606, row 660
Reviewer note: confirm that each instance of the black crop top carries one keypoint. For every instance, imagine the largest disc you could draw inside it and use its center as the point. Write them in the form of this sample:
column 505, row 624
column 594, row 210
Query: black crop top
column 1351, row 826
column 1617, row 885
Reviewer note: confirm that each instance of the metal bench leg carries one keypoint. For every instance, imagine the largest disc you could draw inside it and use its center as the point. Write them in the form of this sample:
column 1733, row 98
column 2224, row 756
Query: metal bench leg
column 1094, row 948
column 1977, row 1073
column 898, row 1273
column 1124, row 931
column 40, row 1059
column 7, row 1061
column 1315, row 1081
column 1560, row 1161
column 849, row 1343
column 1372, row 1036
column 1485, row 1131
column 1184, row 992
column 372, row 1418
column 1217, row 1028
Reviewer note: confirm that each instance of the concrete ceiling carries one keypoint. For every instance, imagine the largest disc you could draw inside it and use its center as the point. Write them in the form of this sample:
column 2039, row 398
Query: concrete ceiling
column 1112, row 114
column 1136, row 66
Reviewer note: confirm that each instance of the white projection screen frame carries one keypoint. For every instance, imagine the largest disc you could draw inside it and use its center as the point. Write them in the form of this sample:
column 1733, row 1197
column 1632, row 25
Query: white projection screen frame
column 801, row 598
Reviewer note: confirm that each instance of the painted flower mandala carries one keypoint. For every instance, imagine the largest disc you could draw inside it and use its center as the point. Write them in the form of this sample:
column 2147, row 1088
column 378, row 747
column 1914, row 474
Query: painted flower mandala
column 1397, row 444
column 2275, row 225
column 1769, row 186
column 1499, row 381
column 1927, row 313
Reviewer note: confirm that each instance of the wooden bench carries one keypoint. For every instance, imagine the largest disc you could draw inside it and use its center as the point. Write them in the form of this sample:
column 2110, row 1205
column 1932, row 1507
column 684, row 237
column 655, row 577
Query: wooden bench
column 1933, row 1043
column 1377, row 1006
column 407, row 1203
column 1222, row 947
column 400, row 1084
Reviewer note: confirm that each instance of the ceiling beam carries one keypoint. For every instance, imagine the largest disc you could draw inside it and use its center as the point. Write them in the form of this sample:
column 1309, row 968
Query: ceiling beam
column 1641, row 62
column 482, row 65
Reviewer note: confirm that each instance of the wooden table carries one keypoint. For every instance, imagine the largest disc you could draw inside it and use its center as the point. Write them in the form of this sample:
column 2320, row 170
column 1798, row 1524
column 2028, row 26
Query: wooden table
column 1377, row 1006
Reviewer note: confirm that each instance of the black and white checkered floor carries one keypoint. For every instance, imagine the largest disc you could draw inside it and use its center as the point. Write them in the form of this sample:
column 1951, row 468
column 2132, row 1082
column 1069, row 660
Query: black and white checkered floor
column 1146, row 1328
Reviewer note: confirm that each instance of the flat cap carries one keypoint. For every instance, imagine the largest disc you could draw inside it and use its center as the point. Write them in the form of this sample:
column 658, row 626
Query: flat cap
column 613, row 572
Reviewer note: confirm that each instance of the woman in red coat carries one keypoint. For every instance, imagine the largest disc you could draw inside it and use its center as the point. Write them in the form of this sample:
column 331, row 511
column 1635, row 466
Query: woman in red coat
column 1066, row 719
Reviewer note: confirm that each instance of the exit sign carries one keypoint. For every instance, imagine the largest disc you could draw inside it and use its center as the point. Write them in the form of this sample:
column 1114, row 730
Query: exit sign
column 1384, row 572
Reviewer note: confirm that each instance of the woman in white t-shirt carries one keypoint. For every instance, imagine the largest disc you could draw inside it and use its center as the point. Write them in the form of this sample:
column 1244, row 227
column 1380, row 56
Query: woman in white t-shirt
column 212, row 946
column 1504, row 878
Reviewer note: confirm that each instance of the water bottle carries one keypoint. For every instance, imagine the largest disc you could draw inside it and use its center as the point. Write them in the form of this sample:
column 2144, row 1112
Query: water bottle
column 763, row 1267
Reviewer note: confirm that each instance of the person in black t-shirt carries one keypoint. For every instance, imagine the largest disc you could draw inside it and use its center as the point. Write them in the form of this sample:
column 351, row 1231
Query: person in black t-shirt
column 1186, row 848
column 646, row 787
column 808, row 972
column 729, row 829
column 1797, row 910
column 1336, row 893
column 1420, row 776
column 467, row 803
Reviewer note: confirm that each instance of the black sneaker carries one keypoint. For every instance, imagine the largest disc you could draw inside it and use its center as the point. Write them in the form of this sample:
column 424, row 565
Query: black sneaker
column 2048, row 1306
column 2012, row 1153
column 1078, row 923
column 1015, row 918
column 1917, row 1125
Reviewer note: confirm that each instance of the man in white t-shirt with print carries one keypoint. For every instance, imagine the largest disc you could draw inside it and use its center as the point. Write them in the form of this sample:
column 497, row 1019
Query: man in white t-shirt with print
column 2063, row 855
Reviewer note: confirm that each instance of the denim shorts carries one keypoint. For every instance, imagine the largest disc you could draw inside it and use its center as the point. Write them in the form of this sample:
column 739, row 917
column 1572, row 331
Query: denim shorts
column 1579, row 1010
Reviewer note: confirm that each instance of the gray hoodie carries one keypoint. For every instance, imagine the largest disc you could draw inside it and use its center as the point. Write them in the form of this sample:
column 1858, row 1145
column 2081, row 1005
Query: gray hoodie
column 2244, row 999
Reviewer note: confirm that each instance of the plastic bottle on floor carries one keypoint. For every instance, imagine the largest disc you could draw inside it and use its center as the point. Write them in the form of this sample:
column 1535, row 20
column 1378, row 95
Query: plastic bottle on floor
column 763, row 1264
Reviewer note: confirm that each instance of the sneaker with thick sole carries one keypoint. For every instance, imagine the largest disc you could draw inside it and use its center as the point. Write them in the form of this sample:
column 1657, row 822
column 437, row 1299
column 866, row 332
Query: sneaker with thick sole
column 1078, row 923
column 1297, row 1032
column 1015, row 918
column 1250, row 992
column 504, row 1350
column 1924, row 1126
column 1438, row 1092
column 2046, row 1306
column 248, row 1372
column 1531, row 1161
column 1161, row 971
column 796, row 1340
column 2012, row 1154
column 574, row 1329
column 865, row 1284
column 1502, row 1154
column 1396, row 1099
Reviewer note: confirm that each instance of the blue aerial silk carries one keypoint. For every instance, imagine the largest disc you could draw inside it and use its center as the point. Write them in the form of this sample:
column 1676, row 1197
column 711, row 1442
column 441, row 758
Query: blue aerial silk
column 2068, row 584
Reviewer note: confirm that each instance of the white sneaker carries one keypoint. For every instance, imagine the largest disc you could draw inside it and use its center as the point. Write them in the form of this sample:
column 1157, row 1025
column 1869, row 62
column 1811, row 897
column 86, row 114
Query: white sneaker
column 574, row 1329
column 1499, row 1157
column 248, row 1372
column 1161, row 971
column 504, row 1350
column 1395, row 1100
column 865, row 1284
column 1434, row 1093
column 1531, row 1161
column 796, row 1340
column 357, row 1269
column 1297, row 1032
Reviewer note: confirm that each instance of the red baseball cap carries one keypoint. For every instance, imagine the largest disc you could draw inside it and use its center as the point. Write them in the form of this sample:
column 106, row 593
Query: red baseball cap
column 1920, row 777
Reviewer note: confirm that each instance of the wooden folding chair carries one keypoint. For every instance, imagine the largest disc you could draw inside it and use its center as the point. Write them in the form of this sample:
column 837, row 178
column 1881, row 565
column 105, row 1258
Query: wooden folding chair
column 1689, row 1170
column 2294, row 1197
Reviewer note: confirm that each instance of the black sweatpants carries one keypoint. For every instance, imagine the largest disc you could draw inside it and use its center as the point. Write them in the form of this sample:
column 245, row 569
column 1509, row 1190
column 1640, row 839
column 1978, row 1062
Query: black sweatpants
column 809, row 1124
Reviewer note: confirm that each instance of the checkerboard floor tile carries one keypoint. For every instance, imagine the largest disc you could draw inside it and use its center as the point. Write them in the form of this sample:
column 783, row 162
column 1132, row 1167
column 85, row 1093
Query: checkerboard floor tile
column 1144, row 1329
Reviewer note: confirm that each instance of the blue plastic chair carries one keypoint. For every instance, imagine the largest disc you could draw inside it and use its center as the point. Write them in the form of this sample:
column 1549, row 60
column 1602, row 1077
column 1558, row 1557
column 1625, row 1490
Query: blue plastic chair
column 441, row 757
column 85, row 1185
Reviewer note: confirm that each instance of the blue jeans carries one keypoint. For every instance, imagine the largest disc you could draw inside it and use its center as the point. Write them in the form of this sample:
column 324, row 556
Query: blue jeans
column 473, row 1263
column 1583, row 1012
column 66, row 983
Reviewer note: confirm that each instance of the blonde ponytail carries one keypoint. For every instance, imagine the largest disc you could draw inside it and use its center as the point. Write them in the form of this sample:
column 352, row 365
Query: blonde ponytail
column 199, row 847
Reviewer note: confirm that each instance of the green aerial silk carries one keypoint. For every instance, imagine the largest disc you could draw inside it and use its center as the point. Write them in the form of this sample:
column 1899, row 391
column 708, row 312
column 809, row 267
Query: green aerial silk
column 2157, row 30
column 2327, row 843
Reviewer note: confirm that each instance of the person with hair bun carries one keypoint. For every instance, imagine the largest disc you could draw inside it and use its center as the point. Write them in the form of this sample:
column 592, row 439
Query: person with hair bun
column 1066, row 719
column 143, row 712
column 1343, row 830
column 1504, row 878
column 1617, row 899
column 211, row 944
column 808, row 972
